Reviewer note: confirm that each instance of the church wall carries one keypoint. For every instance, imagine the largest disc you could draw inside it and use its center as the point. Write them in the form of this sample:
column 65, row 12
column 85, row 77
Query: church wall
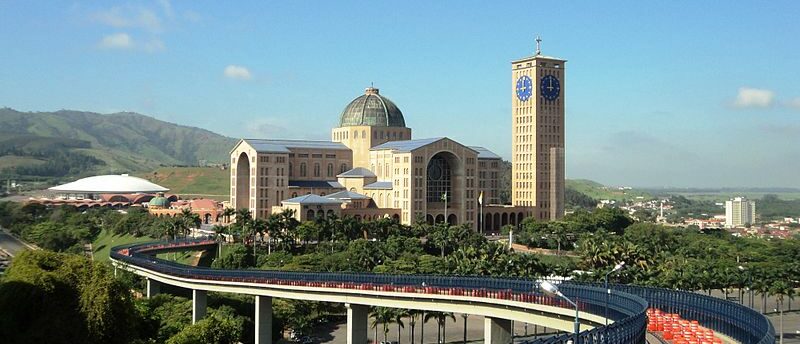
column 318, row 164
column 489, row 180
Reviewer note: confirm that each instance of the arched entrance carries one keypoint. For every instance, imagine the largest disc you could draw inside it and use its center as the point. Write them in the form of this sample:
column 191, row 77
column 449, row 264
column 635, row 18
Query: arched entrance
column 207, row 218
column 243, row 181
column 429, row 219
column 445, row 179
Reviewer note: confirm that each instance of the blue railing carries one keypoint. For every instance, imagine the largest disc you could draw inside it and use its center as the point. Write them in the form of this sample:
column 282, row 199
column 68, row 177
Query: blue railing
column 629, row 310
column 627, row 306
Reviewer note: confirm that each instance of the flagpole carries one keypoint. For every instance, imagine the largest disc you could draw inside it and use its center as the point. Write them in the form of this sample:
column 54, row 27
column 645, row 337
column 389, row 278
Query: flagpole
column 481, row 219
column 445, row 210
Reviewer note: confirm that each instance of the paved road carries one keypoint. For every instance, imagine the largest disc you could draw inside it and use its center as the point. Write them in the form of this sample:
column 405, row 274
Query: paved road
column 11, row 244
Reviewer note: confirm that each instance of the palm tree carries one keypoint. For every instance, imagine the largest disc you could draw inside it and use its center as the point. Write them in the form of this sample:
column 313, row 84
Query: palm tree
column 398, row 319
column 465, row 315
column 257, row 226
column 412, row 320
column 189, row 219
column 383, row 316
column 781, row 288
column 441, row 319
column 219, row 231
column 227, row 213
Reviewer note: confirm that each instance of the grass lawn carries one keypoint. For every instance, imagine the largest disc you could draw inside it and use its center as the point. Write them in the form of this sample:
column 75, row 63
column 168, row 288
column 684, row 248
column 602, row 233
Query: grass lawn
column 206, row 182
column 106, row 240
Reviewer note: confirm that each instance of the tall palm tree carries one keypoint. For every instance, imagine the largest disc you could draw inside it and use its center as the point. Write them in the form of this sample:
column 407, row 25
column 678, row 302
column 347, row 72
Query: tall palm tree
column 412, row 320
column 257, row 227
column 219, row 231
column 781, row 288
column 227, row 213
column 189, row 219
column 382, row 316
column 398, row 319
column 465, row 316
column 441, row 319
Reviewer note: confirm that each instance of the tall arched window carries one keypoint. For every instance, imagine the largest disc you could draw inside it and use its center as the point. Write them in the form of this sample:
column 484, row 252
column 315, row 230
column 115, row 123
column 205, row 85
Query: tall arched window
column 343, row 168
column 291, row 170
column 302, row 169
column 316, row 169
column 330, row 170
column 364, row 134
column 355, row 134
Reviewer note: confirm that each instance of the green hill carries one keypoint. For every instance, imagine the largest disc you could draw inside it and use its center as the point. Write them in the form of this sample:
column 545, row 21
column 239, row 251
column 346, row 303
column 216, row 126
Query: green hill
column 113, row 143
column 208, row 182
column 600, row 192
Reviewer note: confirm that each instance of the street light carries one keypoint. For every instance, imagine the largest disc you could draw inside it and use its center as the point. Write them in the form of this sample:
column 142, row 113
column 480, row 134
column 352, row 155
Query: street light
column 618, row 267
column 551, row 289
column 749, row 283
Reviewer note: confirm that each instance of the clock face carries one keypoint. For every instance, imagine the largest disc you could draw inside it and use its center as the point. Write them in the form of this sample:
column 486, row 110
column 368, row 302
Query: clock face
column 549, row 87
column 524, row 88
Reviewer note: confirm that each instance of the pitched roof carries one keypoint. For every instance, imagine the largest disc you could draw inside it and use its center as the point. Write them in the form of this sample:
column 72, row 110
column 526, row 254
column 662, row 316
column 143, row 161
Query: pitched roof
column 357, row 173
column 283, row 146
column 312, row 199
column 347, row 195
column 379, row 186
column 314, row 184
column 484, row 153
column 406, row 145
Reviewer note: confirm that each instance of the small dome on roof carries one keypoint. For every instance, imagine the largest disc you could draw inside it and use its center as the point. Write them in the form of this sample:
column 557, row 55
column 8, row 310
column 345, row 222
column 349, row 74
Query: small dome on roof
column 372, row 109
column 159, row 201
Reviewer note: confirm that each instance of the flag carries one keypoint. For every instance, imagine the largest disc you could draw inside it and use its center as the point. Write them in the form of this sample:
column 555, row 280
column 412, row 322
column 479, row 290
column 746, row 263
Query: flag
column 480, row 198
column 444, row 196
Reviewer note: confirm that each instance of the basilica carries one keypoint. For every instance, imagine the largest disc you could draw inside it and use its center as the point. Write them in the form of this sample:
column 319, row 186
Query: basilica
column 374, row 168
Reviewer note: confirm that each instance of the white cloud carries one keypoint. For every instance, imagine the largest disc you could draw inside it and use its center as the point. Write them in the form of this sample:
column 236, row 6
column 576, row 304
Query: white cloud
column 153, row 45
column 237, row 72
column 754, row 97
column 116, row 41
column 130, row 18
column 166, row 6
column 794, row 103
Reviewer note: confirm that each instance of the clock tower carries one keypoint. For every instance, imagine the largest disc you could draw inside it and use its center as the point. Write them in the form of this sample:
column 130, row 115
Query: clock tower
column 537, row 124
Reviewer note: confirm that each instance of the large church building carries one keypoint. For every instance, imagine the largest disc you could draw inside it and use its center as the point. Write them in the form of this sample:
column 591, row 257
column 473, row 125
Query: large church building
column 373, row 167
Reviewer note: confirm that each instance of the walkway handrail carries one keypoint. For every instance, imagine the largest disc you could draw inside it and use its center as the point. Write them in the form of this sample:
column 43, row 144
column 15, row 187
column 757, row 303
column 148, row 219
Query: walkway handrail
column 739, row 322
column 628, row 311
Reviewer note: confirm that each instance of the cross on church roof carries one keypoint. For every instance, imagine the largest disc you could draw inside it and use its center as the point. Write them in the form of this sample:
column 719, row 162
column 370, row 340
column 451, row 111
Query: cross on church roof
column 538, row 45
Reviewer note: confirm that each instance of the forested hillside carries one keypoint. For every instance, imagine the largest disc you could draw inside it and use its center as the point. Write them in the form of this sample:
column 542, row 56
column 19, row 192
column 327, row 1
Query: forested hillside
column 56, row 144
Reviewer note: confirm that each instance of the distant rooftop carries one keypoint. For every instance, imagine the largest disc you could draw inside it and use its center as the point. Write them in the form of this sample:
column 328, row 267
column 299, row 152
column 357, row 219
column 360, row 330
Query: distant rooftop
column 406, row 145
column 484, row 153
column 347, row 195
column 114, row 183
column 379, row 186
column 283, row 146
column 312, row 199
column 314, row 184
column 357, row 172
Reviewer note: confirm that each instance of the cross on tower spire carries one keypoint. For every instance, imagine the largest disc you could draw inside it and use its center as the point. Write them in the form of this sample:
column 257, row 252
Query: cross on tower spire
column 538, row 45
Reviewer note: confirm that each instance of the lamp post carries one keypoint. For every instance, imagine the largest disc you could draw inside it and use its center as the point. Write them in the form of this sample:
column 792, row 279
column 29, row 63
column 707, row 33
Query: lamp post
column 551, row 289
column 749, row 284
column 616, row 268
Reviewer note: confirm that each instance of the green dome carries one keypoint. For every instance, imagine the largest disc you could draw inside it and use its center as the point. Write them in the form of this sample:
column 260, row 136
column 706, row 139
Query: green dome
column 372, row 109
column 159, row 201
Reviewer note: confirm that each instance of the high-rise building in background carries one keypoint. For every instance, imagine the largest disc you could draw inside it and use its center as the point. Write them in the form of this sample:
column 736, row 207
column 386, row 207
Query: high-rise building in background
column 739, row 212
column 537, row 153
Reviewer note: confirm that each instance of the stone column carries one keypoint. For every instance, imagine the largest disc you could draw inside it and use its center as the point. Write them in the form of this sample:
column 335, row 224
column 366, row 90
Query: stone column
column 263, row 320
column 153, row 287
column 496, row 331
column 198, row 305
column 357, row 327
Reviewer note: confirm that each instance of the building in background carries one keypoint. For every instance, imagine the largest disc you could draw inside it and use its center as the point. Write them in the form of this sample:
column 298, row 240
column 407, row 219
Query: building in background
column 372, row 154
column 537, row 146
column 739, row 212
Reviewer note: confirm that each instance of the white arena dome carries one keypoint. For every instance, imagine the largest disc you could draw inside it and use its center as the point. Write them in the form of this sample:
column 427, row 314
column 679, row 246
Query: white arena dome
column 110, row 184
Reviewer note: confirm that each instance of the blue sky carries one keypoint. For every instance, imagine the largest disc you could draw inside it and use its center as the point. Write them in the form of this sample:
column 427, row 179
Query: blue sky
column 677, row 93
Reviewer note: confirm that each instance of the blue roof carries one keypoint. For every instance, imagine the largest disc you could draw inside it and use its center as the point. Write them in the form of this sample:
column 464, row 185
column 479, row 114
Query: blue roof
column 484, row 153
column 357, row 172
column 379, row 186
column 406, row 145
column 311, row 199
column 283, row 146
column 314, row 184
column 347, row 195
